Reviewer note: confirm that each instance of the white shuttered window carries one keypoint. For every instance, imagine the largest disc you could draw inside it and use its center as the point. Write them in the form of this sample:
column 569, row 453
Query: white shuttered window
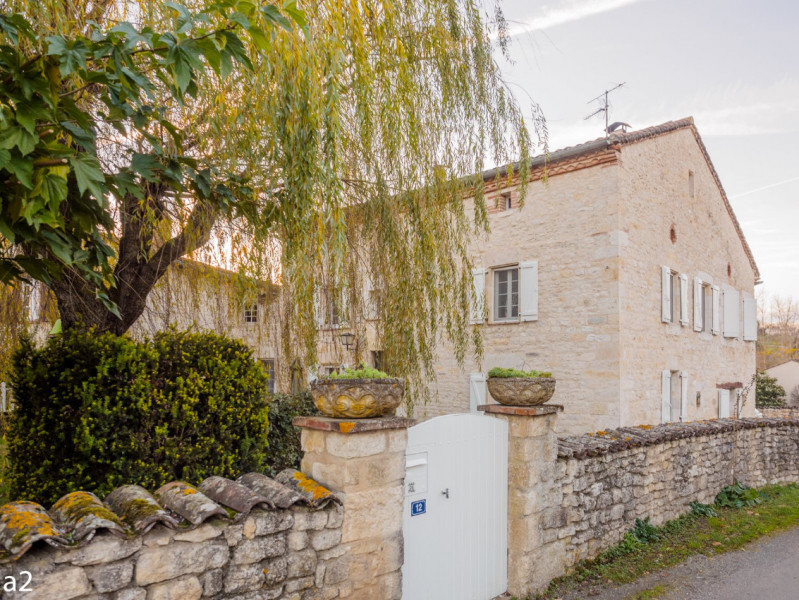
column 684, row 299
column 477, row 391
column 665, row 396
column 528, row 290
column 698, row 316
column 666, row 292
column 478, row 296
column 750, row 319
column 714, row 307
column 732, row 315
column 724, row 404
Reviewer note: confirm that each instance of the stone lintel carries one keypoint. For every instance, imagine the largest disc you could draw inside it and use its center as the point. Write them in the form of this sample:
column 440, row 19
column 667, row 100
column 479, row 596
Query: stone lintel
column 353, row 425
column 523, row 411
column 733, row 385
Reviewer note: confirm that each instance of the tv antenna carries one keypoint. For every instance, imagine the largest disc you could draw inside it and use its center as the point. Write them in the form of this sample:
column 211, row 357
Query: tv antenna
column 605, row 107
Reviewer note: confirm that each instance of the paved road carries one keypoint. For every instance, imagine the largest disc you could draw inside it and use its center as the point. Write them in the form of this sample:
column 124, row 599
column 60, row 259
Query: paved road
column 767, row 569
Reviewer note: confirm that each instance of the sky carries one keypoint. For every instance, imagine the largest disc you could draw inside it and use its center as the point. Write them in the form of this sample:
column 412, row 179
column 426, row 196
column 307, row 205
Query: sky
column 731, row 64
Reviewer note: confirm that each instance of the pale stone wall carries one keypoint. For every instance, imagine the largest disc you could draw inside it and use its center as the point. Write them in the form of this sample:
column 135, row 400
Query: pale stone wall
column 351, row 550
column 601, row 234
column 655, row 186
column 780, row 413
column 570, row 226
column 571, row 498
column 364, row 462
column 291, row 554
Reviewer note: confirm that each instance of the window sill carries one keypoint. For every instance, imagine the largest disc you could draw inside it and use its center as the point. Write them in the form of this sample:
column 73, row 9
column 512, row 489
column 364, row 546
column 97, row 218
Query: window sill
column 491, row 323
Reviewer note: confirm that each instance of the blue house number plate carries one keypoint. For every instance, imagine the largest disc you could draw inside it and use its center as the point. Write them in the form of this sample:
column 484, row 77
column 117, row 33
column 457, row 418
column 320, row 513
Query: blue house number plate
column 418, row 508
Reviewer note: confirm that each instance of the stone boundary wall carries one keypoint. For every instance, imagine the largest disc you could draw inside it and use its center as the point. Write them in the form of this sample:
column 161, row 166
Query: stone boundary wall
column 285, row 554
column 780, row 413
column 603, row 482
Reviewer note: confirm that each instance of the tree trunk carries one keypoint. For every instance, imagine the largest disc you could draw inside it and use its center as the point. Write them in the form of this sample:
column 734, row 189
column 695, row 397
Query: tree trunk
column 135, row 274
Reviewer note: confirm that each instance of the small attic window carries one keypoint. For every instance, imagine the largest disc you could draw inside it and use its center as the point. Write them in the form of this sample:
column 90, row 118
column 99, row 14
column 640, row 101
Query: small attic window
column 690, row 184
column 673, row 234
column 507, row 201
column 729, row 270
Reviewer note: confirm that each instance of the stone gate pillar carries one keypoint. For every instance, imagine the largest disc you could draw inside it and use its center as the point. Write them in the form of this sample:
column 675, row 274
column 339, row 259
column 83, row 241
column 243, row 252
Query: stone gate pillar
column 363, row 461
column 533, row 497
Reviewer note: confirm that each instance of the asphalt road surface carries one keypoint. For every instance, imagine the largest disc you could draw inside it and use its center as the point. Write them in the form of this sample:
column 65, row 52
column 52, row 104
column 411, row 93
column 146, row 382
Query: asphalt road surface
column 767, row 569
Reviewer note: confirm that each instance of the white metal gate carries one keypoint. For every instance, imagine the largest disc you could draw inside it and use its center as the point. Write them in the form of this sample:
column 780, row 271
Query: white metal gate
column 455, row 518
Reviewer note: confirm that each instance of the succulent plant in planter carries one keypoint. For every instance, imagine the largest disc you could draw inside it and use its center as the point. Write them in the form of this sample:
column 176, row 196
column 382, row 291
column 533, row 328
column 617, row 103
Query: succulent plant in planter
column 520, row 388
column 357, row 393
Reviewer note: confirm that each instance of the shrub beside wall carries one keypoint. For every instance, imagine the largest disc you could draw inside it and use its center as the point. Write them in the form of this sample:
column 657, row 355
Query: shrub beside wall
column 96, row 411
column 285, row 450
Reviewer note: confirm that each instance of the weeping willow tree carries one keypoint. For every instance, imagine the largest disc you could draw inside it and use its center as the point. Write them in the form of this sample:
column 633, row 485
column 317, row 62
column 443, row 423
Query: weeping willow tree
column 326, row 147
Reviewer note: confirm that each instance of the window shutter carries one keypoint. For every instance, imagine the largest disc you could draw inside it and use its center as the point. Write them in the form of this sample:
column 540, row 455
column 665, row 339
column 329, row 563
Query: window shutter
column 344, row 307
column 697, row 304
column 528, row 290
column 684, row 396
column 665, row 393
column 716, row 310
column 477, row 391
column 478, row 299
column 683, row 299
column 665, row 294
column 750, row 319
column 724, row 404
column 319, row 308
column 732, row 301
column 369, row 308
column 33, row 301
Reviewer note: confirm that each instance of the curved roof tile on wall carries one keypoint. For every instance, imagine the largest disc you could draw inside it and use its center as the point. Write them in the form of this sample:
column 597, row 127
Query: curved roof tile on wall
column 616, row 440
column 131, row 510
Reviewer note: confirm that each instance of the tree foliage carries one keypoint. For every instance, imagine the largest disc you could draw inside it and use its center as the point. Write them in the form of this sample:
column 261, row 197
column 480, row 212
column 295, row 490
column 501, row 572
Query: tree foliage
column 768, row 393
column 332, row 144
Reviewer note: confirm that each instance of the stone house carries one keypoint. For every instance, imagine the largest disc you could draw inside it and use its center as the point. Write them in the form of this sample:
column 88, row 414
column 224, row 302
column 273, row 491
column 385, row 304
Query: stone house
column 196, row 296
column 787, row 375
column 626, row 274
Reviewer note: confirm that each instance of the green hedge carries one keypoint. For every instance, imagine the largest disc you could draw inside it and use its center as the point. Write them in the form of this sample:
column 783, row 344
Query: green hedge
column 95, row 411
column 284, row 438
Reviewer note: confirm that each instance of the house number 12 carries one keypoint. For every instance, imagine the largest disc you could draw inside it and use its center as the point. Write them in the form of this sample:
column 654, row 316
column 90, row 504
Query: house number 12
column 10, row 582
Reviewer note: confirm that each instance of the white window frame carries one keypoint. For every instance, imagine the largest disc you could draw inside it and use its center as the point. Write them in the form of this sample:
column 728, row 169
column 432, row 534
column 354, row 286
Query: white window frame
column 674, row 308
column 328, row 314
column 707, row 307
column 251, row 313
column 494, row 286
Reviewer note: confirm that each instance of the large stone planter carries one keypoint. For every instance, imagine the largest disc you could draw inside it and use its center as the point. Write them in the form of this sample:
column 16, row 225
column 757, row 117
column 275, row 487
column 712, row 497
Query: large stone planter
column 521, row 391
column 357, row 398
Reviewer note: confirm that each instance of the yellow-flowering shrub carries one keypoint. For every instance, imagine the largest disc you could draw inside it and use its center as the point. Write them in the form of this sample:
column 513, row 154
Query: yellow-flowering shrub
column 95, row 411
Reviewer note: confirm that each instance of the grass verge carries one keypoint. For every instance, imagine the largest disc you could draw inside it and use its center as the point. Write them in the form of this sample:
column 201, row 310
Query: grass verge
column 650, row 594
column 693, row 533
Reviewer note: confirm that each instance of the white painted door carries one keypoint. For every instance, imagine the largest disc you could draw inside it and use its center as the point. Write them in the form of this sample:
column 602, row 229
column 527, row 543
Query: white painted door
column 455, row 518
